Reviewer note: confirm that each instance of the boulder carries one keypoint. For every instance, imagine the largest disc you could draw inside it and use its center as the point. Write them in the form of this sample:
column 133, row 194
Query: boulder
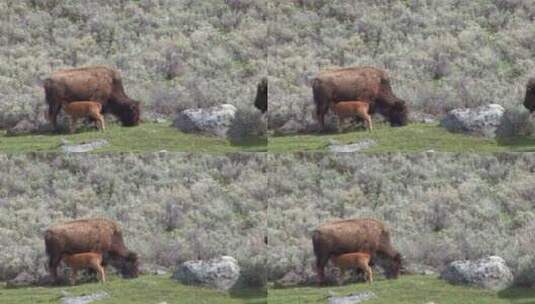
column 221, row 273
column 295, row 278
column 23, row 279
column 25, row 126
column 354, row 298
column 483, row 120
column 489, row 273
column 214, row 120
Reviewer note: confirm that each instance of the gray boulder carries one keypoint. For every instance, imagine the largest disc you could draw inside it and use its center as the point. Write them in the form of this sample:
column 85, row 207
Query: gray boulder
column 215, row 120
column 483, row 120
column 221, row 273
column 23, row 279
column 24, row 126
column 489, row 273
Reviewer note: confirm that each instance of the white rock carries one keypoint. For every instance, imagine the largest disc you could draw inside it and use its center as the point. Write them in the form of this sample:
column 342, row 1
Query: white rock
column 221, row 273
column 214, row 120
column 483, row 120
column 85, row 147
column 85, row 299
column 489, row 273
column 355, row 147
column 353, row 298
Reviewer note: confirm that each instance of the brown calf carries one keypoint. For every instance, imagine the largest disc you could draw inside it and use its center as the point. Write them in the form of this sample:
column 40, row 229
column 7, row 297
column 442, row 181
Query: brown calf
column 83, row 109
column 358, row 260
column 350, row 109
column 79, row 261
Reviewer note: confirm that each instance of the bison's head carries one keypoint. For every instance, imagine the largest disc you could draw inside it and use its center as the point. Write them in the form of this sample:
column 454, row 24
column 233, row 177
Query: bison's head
column 130, row 113
column 398, row 114
column 128, row 266
column 529, row 100
column 394, row 267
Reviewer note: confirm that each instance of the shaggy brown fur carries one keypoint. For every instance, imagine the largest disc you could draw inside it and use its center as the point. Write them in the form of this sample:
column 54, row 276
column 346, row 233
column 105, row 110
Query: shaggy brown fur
column 358, row 83
column 97, row 83
column 352, row 109
column 355, row 235
column 261, row 101
column 360, row 260
column 529, row 99
column 84, row 109
column 78, row 261
column 90, row 235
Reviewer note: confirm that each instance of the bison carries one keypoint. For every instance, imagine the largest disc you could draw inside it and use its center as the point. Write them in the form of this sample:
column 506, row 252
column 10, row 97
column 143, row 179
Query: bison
column 91, row 260
column 355, row 235
column 96, row 83
column 352, row 109
column 261, row 101
column 358, row 83
column 90, row 235
column 529, row 100
column 82, row 109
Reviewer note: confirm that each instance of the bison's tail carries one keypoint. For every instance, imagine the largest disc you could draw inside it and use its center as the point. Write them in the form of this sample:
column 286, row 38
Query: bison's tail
column 316, row 245
column 48, row 246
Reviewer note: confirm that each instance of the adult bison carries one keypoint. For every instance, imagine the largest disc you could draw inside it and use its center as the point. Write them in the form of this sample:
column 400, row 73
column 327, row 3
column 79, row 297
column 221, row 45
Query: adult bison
column 96, row 83
column 90, row 235
column 355, row 235
column 261, row 101
column 358, row 83
column 529, row 100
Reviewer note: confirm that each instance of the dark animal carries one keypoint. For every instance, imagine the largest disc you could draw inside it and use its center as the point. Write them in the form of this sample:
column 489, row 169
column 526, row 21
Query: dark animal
column 358, row 83
column 96, row 83
column 355, row 235
column 529, row 100
column 261, row 101
column 98, row 235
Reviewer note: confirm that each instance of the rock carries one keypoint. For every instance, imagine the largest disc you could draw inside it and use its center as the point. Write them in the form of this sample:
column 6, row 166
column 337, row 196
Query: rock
column 153, row 269
column 214, row 120
column 489, row 273
column 24, row 126
column 23, row 279
column 295, row 278
column 483, row 120
column 292, row 126
column 85, row 147
column 161, row 120
column 85, row 299
column 221, row 273
column 420, row 117
column 418, row 269
column 353, row 298
column 365, row 144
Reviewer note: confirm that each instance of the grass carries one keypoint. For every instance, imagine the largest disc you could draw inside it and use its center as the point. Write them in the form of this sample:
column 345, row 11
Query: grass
column 144, row 289
column 409, row 289
column 412, row 138
column 147, row 137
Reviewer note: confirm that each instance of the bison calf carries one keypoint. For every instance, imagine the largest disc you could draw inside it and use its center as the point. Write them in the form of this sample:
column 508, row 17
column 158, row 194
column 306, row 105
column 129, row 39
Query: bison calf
column 358, row 260
column 84, row 260
column 352, row 109
column 84, row 109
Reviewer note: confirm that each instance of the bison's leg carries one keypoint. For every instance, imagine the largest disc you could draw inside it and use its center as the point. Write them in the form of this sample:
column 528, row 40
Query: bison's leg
column 53, row 264
column 321, row 262
column 53, row 111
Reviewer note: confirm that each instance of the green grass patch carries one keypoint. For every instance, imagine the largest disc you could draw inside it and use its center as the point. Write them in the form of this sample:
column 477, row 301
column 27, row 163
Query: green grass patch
column 147, row 137
column 411, row 138
column 144, row 289
column 409, row 289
